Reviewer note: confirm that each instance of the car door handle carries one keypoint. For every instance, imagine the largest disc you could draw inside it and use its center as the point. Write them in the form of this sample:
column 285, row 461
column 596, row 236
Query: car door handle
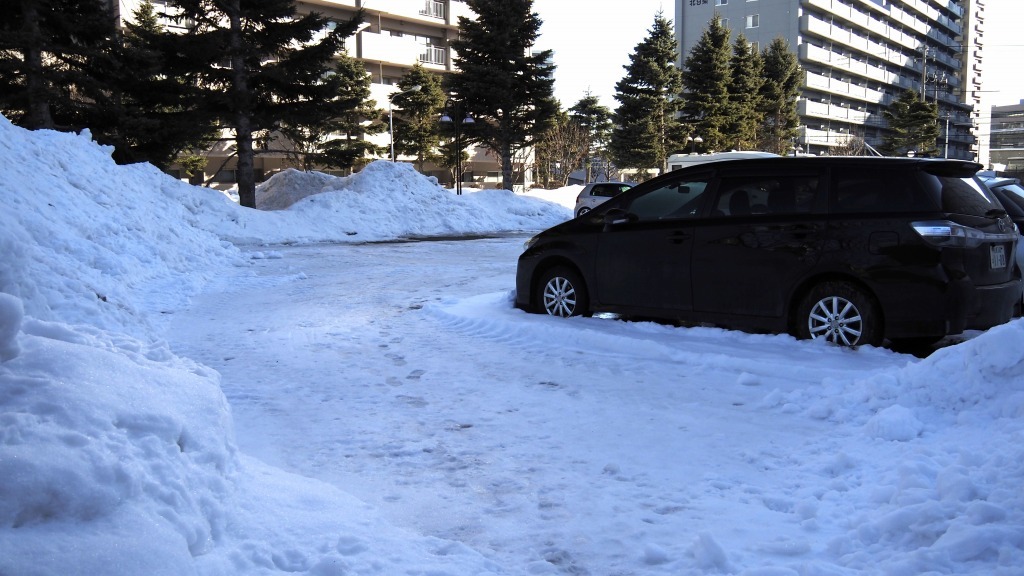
column 678, row 236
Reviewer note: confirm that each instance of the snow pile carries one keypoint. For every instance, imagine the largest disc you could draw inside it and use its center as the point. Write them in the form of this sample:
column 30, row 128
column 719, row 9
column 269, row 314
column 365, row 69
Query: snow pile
column 84, row 240
column 288, row 187
column 388, row 200
column 131, row 462
column 944, row 483
column 981, row 378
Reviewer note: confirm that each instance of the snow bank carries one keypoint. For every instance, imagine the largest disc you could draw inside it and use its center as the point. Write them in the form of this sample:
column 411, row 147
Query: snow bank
column 85, row 240
column 110, row 449
column 384, row 201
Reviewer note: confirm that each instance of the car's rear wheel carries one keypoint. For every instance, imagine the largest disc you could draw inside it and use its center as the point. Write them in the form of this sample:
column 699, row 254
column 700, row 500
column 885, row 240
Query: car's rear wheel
column 840, row 313
column 561, row 292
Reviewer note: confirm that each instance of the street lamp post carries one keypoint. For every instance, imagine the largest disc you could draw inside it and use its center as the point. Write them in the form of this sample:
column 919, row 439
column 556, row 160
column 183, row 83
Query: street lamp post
column 452, row 113
column 391, row 115
column 693, row 143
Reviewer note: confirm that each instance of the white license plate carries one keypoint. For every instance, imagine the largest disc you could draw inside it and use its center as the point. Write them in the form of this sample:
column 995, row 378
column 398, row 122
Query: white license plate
column 997, row 256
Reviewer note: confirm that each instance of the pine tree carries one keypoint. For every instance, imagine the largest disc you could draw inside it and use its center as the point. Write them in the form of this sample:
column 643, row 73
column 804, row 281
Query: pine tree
column 779, row 94
column 257, row 67
column 355, row 116
column 157, row 120
column 913, row 126
column 646, row 129
column 416, row 126
column 706, row 78
column 55, row 61
column 745, row 80
column 596, row 120
column 508, row 90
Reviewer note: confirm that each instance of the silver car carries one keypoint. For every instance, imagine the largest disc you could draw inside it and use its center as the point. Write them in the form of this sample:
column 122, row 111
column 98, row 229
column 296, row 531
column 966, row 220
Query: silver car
column 1010, row 193
column 595, row 193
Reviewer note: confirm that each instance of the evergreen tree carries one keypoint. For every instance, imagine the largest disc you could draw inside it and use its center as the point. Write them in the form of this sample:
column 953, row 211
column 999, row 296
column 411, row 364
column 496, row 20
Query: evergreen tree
column 257, row 67
column 157, row 121
column 745, row 82
column 506, row 88
column 56, row 57
column 913, row 126
column 338, row 141
column 706, row 78
column 355, row 117
column 646, row 128
column 596, row 120
column 779, row 93
column 416, row 126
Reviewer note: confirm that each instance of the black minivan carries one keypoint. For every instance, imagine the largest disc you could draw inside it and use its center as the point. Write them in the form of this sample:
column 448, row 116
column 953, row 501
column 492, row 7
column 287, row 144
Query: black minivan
column 854, row 250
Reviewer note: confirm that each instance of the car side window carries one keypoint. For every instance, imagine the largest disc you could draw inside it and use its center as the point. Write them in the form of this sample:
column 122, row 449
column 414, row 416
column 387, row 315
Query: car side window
column 765, row 194
column 608, row 190
column 675, row 199
column 855, row 189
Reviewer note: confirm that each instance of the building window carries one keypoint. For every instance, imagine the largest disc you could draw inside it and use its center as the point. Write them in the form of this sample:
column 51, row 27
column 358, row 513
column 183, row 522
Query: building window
column 753, row 20
column 755, row 47
column 433, row 9
column 721, row 2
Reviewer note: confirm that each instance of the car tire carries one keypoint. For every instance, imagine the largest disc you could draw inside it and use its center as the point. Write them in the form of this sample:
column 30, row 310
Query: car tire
column 562, row 292
column 582, row 211
column 841, row 313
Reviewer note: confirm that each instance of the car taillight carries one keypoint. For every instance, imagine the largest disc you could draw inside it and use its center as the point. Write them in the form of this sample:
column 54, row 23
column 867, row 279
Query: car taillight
column 946, row 233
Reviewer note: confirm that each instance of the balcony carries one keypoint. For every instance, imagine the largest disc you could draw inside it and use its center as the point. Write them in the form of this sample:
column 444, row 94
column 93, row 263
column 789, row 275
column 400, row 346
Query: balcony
column 433, row 9
column 432, row 55
column 391, row 49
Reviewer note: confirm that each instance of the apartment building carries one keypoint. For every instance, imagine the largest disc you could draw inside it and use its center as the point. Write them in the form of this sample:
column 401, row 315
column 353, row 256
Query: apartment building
column 857, row 56
column 1007, row 139
column 394, row 37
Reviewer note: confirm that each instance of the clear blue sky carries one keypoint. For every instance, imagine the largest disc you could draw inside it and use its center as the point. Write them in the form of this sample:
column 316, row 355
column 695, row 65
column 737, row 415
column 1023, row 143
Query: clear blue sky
column 593, row 39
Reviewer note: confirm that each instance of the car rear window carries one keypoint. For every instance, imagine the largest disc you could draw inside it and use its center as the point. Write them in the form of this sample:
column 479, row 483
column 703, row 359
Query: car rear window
column 963, row 195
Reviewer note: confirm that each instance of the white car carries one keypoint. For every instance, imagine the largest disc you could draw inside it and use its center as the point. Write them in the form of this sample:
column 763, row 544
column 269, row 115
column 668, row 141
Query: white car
column 1010, row 193
column 595, row 193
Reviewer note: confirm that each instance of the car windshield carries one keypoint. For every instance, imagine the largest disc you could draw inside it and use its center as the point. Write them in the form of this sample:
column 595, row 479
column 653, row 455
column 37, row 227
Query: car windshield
column 1012, row 196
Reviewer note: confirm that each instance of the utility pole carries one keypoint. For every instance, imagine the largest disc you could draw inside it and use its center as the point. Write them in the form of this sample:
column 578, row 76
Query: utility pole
column 946, row 155
column 924, row 74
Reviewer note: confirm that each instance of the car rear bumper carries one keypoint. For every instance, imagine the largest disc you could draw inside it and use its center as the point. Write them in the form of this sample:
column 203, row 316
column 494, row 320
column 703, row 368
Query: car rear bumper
column 937, row 307
column 990, row 306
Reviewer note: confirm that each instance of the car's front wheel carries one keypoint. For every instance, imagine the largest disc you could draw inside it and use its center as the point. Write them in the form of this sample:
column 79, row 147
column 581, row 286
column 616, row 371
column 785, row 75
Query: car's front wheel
column 561, row 292
column 840, row 313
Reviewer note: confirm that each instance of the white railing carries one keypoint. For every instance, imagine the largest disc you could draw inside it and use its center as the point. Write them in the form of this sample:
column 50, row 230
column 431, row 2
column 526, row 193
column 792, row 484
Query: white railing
column 433, row 9
column 433, row 55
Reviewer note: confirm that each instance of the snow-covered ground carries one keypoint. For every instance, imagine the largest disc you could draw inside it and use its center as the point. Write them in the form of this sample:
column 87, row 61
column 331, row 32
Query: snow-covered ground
column 188, row 387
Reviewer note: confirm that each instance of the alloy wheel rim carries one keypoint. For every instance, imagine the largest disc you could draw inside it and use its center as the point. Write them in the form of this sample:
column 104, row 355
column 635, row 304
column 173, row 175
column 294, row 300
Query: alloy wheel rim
column 837, row 320
column 559, row 297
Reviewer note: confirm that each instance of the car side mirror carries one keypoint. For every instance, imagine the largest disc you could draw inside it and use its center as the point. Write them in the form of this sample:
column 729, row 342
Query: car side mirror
column 617, row 216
